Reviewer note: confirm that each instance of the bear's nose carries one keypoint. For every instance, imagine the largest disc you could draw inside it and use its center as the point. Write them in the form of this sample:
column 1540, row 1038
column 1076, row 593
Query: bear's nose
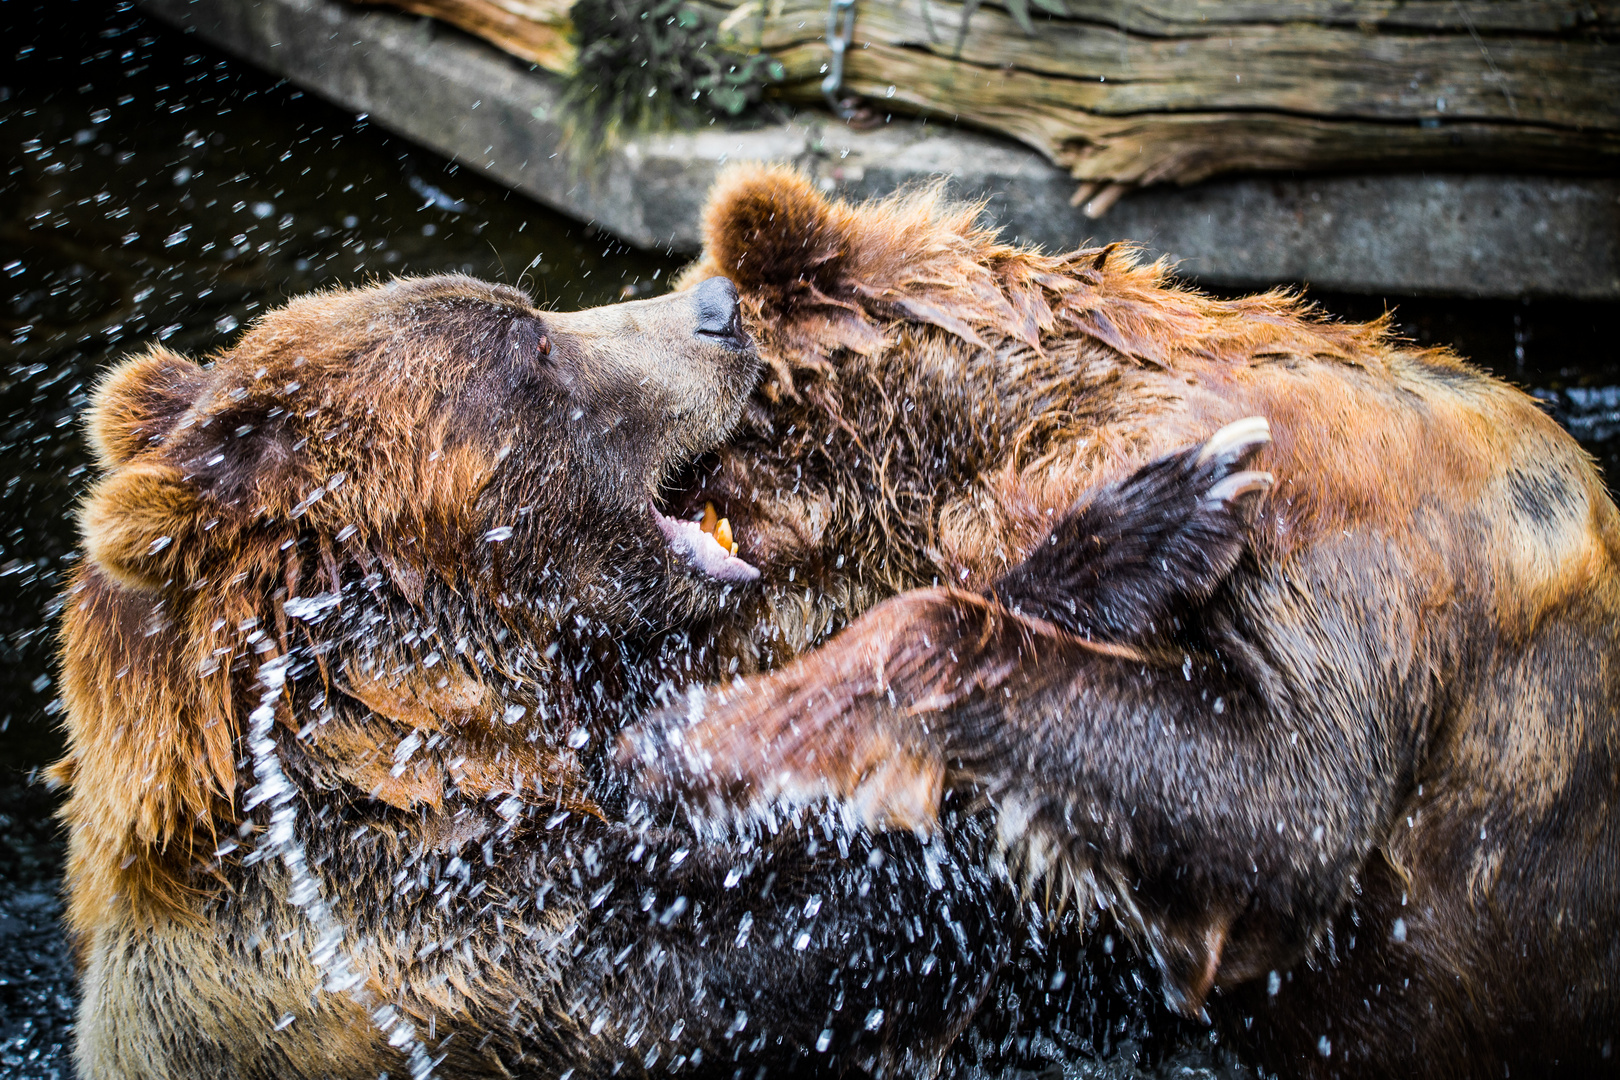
column 718, row 313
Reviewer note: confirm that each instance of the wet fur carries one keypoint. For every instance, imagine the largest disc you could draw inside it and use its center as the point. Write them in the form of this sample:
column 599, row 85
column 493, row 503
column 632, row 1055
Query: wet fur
column 1377, row 757
column 431, row 499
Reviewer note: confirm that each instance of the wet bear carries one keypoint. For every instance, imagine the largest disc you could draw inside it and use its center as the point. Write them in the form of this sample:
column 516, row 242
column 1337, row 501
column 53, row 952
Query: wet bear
column 1346, row 764
column 354, row 626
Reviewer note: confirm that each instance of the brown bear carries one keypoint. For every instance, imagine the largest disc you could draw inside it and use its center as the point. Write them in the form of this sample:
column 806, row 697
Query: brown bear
column 355, row 625
column 1346, row 763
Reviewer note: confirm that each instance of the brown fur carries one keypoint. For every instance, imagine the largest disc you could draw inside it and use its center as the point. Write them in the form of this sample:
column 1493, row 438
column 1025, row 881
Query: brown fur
column 1415, row 658
column 1032, row 378
column 427, row 503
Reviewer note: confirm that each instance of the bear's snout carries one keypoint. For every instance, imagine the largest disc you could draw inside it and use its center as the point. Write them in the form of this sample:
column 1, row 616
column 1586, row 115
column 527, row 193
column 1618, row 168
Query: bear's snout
column 719, row 315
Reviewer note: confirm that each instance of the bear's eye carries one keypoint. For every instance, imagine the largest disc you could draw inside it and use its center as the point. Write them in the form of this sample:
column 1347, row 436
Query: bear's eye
column 542, row 348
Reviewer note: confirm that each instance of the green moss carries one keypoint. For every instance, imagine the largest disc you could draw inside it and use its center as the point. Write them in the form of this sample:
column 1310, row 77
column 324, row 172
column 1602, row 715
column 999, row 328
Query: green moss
column 655, row 64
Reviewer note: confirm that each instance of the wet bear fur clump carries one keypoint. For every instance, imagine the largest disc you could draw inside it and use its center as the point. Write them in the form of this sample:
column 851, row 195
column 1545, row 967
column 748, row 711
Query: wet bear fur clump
column 1342, row 765
column 356, row 622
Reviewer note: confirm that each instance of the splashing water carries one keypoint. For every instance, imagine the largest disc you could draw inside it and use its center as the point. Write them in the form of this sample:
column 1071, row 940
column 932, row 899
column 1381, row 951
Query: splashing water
column 329, row 954
column 154, row 189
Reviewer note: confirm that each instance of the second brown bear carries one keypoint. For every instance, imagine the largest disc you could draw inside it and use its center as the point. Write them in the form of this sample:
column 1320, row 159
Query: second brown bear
column 1349, row 774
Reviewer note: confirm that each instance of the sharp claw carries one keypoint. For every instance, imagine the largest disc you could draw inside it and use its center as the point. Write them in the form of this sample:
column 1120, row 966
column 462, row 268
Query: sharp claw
column 1236, row 439
column 1233, row 487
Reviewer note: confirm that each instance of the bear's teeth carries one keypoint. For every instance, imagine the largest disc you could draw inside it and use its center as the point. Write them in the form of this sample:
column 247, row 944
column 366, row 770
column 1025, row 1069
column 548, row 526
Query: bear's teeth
column 718, row 527
column 703, row 549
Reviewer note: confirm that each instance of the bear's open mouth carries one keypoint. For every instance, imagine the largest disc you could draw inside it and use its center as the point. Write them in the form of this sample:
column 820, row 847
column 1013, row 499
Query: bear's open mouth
column 706, row 544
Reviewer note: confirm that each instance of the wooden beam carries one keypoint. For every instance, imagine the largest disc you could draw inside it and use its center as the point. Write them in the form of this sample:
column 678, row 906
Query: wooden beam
column 1159, row 91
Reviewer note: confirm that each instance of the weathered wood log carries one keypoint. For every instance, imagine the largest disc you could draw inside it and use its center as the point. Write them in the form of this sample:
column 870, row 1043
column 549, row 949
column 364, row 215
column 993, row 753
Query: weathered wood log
column 1131, row 93
column 538, row 31
column 1169, row 96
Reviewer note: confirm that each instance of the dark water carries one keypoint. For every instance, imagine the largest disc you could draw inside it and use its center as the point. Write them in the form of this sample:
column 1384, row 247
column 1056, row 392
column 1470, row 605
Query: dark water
column 155, row 190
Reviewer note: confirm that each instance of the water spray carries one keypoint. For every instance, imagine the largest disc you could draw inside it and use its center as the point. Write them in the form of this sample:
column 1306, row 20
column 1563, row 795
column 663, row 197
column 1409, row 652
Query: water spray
column 330, row 955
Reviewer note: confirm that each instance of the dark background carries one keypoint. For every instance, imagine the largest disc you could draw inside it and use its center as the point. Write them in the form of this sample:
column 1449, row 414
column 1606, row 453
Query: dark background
column 154, row 189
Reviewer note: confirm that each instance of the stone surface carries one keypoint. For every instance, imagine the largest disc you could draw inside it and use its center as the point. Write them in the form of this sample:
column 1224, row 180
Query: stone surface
column 1472, row 235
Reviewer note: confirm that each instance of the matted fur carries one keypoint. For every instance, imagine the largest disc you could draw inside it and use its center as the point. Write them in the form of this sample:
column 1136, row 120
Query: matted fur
column 425, row 505
column 1379, row 762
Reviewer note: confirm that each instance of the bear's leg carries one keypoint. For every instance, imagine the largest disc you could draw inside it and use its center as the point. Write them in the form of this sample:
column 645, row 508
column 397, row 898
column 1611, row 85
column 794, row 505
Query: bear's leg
column 1127, row 565
column 803, row 950
column 1157, row 776
column 1123, row 564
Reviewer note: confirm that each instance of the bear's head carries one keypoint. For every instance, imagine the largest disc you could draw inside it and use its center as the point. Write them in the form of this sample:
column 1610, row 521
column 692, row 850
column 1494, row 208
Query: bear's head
column 443, row 425
column 433, row 504
column 442, row 496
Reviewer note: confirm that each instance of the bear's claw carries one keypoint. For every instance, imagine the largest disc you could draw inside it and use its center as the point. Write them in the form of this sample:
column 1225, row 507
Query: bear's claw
column 1236, row 440
column 1238, row 485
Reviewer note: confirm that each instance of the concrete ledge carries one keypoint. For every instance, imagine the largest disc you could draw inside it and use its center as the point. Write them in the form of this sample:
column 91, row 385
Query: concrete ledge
column 1468, row 235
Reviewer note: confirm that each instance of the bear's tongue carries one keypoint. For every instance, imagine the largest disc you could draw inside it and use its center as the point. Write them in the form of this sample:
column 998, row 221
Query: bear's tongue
column 690, row 541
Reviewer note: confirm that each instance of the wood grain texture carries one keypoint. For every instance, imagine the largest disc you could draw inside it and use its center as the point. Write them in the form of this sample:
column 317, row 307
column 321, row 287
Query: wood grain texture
column 538, row 31
column 1180, row 90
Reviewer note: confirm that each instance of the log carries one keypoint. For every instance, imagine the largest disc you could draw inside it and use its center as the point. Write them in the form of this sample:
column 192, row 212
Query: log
column 1131, row 93
column 539, row 31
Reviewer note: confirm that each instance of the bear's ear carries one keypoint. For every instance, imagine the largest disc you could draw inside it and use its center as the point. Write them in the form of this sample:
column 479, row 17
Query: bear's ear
column 138, row 520
column 768, row 229
column 796, row 259
column 817, row 275
column 138, row 402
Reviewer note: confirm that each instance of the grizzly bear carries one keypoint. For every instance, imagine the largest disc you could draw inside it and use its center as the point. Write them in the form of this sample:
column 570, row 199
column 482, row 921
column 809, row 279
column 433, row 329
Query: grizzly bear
column 1345, row 763
column 355, row 626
